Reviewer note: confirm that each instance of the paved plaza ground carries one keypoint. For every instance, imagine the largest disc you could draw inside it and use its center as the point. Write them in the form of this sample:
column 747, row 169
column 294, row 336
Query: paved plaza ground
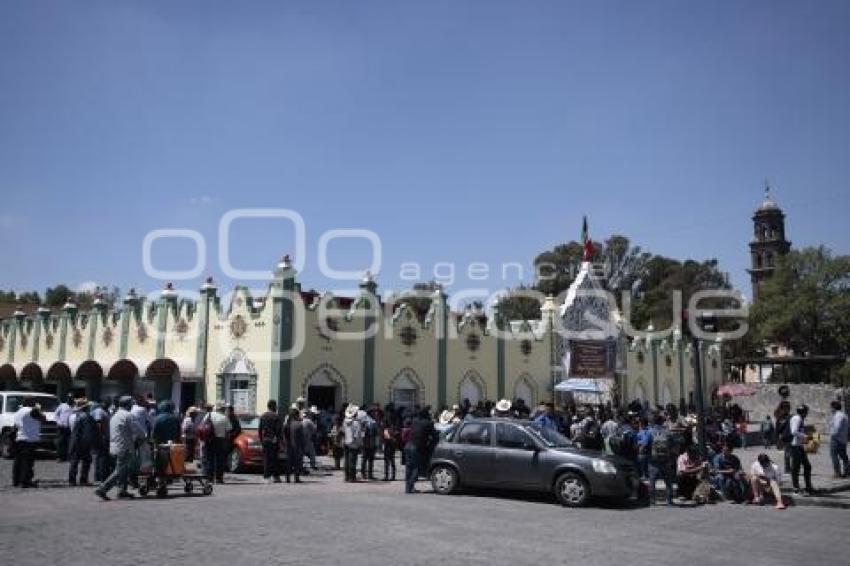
column 325, row 521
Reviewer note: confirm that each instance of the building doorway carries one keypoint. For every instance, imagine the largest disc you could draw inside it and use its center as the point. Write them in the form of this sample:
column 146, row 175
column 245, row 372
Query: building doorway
column 188, row 395
column 325, row 388
column 322, row 397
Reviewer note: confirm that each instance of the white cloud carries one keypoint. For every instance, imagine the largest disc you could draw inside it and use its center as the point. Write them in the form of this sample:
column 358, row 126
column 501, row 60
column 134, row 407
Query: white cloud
column 87, row 287
column 203, row 200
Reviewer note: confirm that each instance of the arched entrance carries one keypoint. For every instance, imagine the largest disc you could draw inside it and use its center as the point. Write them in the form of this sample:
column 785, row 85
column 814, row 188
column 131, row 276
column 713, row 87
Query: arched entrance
column 526, row 389
column 32, row 377
column 120, row 380
column 640, row 392
column 8, row 377
column 406, row 389
column 666, row 396
column 91, row 374
column 472, row 387
column 164, row 373
column 325, row 387
column 59, row 378
column 237, row 383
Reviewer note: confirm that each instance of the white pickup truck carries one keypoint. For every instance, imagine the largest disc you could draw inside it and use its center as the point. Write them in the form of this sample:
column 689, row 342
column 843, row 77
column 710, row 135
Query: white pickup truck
column 10, row 402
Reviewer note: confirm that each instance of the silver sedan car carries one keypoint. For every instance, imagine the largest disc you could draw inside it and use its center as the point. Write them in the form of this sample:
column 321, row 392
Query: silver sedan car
column 517, row 454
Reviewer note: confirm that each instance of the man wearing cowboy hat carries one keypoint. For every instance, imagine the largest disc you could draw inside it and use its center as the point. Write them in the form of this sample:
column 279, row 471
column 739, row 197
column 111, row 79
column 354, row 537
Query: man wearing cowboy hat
column 353, row 441
column 293, row 433
column 308, row 423
column 502, row 409
column 187, row 429
column 83, row 441
column 218, row 442
column 123, row 436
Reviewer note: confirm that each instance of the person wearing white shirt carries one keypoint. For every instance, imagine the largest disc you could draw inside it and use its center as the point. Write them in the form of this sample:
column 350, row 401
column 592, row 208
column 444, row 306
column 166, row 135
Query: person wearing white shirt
column 798, row 451
column 28, row 421
column 141, row 418
column 837, row 430
column 765, row 476
column 62, row 414
column 218, row 443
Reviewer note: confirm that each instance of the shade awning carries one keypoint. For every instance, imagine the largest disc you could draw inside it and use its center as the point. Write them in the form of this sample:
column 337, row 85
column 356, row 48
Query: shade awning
column 579, row 385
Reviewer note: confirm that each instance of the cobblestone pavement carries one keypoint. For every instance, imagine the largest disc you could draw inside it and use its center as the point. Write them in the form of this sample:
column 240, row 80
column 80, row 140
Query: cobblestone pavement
column 325, row 521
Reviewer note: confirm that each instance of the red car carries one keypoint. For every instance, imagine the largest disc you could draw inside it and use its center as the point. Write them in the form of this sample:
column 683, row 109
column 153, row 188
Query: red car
column 247, row 450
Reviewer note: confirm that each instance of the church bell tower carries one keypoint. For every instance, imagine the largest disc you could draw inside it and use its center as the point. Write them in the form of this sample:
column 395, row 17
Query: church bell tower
column 769, row 243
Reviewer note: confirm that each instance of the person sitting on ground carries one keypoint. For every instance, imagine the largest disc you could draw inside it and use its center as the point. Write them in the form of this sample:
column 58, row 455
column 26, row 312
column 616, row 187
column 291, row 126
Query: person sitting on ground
column 731, row 481
column 689, row 471
column 765, row 477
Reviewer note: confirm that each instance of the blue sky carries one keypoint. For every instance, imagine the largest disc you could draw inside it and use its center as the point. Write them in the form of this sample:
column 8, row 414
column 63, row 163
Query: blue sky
column 458, row 131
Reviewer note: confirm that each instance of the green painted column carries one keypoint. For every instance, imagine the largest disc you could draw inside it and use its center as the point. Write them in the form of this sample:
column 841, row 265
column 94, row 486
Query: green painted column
column 683, row 394
column 40, row 320
column 13, row 342
column 442, row 351
column 68, row 312
column 280, row 381
column 500, row 354
column 93, row 320
column 368, row 288
column 130, row 302
column 653, row 346
column 208, row 293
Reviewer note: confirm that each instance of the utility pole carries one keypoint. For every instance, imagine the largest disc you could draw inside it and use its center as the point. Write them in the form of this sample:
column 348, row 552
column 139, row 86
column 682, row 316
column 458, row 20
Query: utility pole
column 708, row 323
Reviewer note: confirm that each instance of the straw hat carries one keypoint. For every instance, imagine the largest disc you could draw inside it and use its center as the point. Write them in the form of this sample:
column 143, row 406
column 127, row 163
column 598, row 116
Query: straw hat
column 81, row 403
column 446, row 417
column 503, row 406
column 351, row 411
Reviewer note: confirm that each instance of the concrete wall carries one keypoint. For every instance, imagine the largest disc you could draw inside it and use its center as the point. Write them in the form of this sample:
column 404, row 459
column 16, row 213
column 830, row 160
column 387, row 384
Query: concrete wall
column 767, row 398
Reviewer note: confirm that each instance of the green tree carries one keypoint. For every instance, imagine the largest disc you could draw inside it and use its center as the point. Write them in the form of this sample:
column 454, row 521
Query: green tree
column 515, row 305
column 805, row 304
column 419, row 304
column 57, row 296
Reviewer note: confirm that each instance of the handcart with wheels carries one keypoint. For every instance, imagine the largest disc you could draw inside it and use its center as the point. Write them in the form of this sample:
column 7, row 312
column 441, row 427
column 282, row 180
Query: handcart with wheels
column 166, row 467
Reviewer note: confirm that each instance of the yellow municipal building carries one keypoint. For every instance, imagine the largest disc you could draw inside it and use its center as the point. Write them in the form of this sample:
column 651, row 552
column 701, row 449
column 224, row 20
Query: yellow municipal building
column 288, row 344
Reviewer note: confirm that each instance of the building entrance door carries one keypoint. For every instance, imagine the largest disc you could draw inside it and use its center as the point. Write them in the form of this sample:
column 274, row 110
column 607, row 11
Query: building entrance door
column 322, row 396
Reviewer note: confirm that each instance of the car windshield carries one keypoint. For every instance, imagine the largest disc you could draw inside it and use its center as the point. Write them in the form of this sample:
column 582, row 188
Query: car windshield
column 249, row 421
column 549, row 437
column 47, row 403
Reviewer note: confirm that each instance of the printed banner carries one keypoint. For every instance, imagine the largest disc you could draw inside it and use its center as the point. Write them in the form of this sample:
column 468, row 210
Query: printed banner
column 592, row 358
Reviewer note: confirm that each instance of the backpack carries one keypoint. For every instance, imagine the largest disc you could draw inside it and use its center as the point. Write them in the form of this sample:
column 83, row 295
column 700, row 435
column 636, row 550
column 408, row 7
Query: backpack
column 623, row 444
column 370, row 434
column 661, row 446
column 783, row 427
column 204, row 431
column 591, row 437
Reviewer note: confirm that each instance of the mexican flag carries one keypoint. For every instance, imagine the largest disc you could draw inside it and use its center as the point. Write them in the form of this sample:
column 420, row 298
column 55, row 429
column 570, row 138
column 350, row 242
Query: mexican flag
column 586, row 244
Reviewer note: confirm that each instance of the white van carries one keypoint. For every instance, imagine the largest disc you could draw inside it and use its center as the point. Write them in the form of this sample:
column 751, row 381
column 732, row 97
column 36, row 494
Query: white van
column 10, row 402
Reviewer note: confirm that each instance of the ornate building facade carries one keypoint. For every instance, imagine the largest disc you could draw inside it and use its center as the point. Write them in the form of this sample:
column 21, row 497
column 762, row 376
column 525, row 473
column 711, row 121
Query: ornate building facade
column 286, row 344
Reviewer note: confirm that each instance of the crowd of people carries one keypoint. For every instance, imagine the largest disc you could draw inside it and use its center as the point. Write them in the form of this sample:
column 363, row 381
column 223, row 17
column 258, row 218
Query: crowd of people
column 660, row 441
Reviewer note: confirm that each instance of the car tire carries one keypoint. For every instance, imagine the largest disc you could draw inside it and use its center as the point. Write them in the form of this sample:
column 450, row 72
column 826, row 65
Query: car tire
column 7, row 446
column 444, row 479
column 572, row 490
column 234, row 461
